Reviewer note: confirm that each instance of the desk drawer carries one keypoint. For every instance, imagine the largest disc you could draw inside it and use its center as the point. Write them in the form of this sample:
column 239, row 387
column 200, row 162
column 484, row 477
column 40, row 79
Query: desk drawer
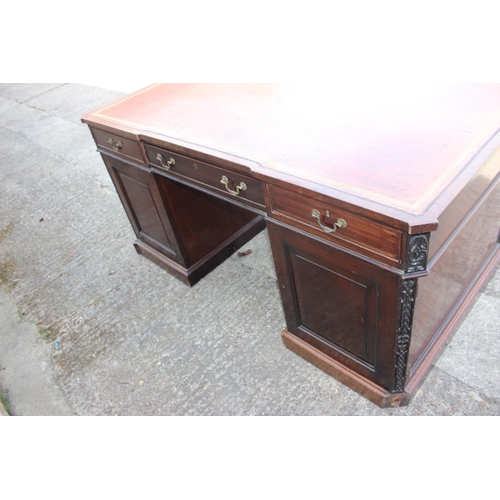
column 337, row 224
column 233, row 185
column 118, row 145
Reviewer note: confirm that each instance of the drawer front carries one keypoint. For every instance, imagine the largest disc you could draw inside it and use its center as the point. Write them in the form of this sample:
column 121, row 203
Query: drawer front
column 337, row 224
column 118, row 145
column 233, row 185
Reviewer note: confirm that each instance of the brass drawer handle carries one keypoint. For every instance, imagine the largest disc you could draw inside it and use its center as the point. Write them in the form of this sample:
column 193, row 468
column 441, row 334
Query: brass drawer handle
column 341, row 223
column 115, row 145
column 170, row 163
column 241, row 187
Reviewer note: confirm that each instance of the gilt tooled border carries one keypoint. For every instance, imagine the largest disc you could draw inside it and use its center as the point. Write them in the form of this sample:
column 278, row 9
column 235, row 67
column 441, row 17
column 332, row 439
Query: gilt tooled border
column 416, row 207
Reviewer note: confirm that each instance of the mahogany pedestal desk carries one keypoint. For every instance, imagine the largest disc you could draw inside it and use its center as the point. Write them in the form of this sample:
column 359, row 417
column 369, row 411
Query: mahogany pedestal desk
column 381, row 204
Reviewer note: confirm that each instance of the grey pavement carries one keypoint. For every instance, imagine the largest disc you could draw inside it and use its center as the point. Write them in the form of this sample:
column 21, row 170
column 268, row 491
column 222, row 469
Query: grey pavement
column 88, row 327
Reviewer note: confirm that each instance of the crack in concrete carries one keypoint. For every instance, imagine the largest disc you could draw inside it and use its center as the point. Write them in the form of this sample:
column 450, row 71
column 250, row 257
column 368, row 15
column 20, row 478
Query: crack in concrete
column 38, row 95
column 481, row 394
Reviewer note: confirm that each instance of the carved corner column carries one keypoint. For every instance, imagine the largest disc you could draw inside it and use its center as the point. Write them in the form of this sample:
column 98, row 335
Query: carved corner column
column 415, row 267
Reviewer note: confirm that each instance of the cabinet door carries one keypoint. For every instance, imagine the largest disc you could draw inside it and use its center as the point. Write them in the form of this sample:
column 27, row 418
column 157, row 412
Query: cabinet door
column 341, row 304
column 140, row 197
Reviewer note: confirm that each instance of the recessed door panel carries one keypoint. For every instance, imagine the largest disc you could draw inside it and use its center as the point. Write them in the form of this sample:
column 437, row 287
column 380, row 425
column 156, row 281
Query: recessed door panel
column 337, row 305
column 144, row 209
column 142, row 202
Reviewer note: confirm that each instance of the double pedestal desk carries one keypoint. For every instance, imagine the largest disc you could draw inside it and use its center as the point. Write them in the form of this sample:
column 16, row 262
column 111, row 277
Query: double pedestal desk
column 381, row 205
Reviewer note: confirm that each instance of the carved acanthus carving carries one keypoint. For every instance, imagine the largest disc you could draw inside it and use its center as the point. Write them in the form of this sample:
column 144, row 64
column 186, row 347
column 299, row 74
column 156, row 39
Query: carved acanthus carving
column 418, row 249
column 407, row 297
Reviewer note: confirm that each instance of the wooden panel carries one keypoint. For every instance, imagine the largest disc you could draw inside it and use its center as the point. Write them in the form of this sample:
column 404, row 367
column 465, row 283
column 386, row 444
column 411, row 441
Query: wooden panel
column 453, row 270
column 144, row 208
column 137, row 191
column 118, row 145
column 361, row 234
column 464, row 202
column 337, row 305
column 209, row 176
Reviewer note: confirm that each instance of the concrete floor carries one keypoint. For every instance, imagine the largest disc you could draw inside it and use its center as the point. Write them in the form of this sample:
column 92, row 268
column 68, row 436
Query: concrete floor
column 88, row 327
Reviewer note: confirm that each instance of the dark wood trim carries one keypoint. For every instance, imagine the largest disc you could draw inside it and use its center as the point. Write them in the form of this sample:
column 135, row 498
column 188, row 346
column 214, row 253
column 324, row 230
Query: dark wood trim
column 417, row 253
column 350, row 378
column 407, row 295
column 462, row 223
column 163, row 261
